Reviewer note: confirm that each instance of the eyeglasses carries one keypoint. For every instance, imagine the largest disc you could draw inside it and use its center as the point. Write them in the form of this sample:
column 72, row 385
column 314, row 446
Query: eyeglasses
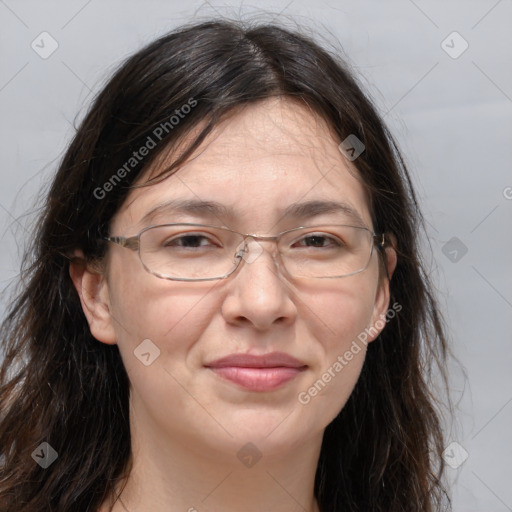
column 202, row 252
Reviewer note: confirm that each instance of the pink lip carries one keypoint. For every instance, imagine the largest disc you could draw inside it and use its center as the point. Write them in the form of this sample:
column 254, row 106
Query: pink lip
column 258, row 373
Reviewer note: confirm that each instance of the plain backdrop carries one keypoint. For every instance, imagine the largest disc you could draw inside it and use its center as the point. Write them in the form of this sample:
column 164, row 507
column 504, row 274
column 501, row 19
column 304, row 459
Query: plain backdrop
column 439, row 71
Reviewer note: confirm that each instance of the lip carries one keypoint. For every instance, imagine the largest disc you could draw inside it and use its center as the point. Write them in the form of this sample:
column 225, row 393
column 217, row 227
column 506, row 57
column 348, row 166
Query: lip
column 258, row 373
column 270, row 360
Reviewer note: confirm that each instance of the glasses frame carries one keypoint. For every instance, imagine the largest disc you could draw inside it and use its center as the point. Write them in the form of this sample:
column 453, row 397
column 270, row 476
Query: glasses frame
column 133, row 243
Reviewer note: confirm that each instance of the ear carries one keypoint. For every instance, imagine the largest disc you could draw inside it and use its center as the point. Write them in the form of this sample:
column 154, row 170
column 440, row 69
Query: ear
column 92, row 288
column 382, row 295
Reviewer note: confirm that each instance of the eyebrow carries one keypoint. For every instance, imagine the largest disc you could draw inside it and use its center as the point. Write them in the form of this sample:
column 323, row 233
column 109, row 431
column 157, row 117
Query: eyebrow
column 296, row 211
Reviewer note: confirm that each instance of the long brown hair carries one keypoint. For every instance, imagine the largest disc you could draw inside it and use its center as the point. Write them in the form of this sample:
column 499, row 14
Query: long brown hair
column 61, row 386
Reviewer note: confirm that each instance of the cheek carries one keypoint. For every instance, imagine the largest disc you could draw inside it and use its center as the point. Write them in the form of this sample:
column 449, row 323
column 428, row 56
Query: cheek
column 172, row 321
column 341, row 313
column 341, row 317
column 145, row 307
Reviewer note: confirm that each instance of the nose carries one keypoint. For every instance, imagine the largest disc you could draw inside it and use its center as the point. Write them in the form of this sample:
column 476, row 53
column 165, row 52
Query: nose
column 259, row 292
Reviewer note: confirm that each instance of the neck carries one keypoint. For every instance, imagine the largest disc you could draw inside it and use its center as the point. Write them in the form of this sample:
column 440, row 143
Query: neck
column 188, row 476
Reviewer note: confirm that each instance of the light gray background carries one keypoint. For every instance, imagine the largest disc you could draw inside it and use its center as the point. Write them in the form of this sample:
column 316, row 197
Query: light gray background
column 451, row 116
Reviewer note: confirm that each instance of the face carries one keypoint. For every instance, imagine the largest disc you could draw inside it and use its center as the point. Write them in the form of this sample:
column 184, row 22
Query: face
column 258, row 162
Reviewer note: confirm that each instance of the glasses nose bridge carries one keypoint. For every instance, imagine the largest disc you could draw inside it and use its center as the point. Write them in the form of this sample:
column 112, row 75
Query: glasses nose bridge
column 274, row 238
column 265, row 238
column 251, row 255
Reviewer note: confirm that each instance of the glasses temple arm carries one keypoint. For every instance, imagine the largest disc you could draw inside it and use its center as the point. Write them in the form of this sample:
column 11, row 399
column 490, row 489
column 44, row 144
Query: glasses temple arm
column 129, row 243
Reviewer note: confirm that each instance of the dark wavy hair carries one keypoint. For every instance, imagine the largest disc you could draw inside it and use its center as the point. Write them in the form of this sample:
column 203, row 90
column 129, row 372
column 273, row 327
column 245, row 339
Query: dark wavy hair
column 59, row 385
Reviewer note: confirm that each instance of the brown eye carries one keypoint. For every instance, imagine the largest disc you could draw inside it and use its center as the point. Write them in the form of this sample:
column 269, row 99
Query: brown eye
column 186, row 241
column 320, row 240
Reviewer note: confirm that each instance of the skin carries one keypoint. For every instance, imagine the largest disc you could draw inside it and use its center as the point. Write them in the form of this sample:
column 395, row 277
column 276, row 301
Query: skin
column 187, row 423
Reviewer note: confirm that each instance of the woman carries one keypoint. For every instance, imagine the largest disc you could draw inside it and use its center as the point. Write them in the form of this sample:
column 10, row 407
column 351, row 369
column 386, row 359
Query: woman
column 159, row 358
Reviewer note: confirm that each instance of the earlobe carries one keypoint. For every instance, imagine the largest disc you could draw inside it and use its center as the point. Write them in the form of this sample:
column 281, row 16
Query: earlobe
column 92, row 289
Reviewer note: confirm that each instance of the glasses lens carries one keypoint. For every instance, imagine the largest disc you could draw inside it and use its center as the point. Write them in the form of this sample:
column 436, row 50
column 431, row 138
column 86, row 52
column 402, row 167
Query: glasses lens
column 184, row 251
column 327, row 251
column 191, row 252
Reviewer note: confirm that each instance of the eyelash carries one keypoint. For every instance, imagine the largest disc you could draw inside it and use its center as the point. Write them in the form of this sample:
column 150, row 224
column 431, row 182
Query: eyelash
column 304, row 238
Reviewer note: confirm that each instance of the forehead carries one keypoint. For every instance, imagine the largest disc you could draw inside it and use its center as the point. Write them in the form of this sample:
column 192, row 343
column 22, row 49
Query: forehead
column 258, row 162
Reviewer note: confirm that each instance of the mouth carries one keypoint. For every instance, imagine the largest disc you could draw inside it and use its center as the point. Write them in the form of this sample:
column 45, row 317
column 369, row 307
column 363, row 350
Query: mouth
column 258, row 373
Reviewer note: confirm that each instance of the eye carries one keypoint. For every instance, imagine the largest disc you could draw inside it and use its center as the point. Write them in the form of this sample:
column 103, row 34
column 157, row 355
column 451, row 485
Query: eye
column 320, row 240
column 190, row 240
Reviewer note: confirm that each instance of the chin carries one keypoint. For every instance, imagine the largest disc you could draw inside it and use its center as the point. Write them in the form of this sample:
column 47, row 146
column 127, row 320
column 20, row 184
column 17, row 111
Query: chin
column 272, row 428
